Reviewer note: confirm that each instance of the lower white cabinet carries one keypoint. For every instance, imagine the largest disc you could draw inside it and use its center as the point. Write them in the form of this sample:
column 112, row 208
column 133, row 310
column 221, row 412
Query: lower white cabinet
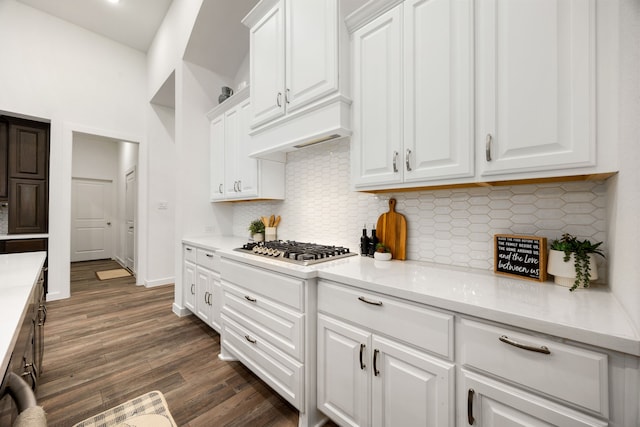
column 269, row 324
column 201, row 284
column 491, row 403
column 367, row 379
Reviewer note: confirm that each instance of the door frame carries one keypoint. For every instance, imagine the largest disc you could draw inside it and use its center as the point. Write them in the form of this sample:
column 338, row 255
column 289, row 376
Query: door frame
column 133, row 267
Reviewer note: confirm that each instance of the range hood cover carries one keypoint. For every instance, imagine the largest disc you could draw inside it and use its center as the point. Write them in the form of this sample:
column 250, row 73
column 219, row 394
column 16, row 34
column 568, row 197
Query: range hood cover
column 327, row 121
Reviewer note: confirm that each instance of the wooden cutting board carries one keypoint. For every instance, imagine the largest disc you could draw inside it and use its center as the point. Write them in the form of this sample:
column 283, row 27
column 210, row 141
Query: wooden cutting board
column 392, row 231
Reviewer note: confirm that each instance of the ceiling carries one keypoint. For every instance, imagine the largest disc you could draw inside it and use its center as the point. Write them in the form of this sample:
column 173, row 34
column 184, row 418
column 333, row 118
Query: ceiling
column 130, row 22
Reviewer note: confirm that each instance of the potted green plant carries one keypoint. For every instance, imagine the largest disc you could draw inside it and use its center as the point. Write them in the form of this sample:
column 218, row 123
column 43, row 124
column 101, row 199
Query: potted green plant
column 382, row 252
column 256, row 228
column 572, row 261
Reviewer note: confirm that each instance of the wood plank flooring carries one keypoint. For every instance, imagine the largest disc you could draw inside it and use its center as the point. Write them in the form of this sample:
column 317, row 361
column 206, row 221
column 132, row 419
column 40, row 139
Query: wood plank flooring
column 113, row 340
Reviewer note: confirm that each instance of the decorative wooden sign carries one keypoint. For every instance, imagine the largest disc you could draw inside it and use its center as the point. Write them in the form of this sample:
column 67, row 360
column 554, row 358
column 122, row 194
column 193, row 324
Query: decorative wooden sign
column 524, row 257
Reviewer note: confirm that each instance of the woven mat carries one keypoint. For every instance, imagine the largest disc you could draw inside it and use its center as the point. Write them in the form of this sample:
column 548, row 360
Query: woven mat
column 148, row 410
column 112, row 274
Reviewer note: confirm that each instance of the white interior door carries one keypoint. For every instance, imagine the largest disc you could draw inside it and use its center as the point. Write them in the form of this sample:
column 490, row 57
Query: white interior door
column 91, row 211
column 130, row 219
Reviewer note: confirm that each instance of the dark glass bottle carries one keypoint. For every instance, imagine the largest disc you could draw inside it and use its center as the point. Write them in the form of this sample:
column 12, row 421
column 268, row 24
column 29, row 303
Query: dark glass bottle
column 364, row 242
column 373, row 242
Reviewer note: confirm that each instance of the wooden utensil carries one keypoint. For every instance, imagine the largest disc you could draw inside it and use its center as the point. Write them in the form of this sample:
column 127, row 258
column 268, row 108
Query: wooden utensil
column 392, row 231
column 277, row 221
column 265, row 220
column 272, row 219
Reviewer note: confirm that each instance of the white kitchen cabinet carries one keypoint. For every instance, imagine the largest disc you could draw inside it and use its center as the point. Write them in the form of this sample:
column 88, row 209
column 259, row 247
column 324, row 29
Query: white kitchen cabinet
column 491, row 403
column 535, row 85
column 204, row 294
column 293, row 56
column 413, row 99
column 189, row 277
column 201, row 284
column 235, row 175
column 366, row 379
column 269, row 324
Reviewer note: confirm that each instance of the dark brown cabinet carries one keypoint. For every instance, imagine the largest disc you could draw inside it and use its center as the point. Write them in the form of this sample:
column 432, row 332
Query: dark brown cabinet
column 24, row 173
column 28, row 149
column 27, row 206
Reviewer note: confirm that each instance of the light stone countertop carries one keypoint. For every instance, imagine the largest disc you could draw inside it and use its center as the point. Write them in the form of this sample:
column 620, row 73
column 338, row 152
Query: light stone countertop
column 23, row 236
column 18, row 275
column 592, row 316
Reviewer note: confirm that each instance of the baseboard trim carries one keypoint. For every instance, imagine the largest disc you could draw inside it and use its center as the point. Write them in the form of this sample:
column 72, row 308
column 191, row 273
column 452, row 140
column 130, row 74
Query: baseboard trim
column 159, row 282
column 180, row 311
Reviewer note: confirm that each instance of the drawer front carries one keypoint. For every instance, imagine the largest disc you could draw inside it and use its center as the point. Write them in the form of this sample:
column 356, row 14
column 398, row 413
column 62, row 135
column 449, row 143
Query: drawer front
column 284, row 289
column 282, row 327
column 428, row 329
column 207, row 259
column 189, row 253
column 283, row 374
column 571, row 373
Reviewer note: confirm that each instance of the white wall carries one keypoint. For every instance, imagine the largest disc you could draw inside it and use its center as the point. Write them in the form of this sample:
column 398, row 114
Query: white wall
column 624, row 189
column 94, row 158
column 81, row 82
column 167, row 49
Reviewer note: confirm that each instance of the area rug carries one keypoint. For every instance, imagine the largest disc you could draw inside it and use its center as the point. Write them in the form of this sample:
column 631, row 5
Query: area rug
column 148, row 410
column 112, row 274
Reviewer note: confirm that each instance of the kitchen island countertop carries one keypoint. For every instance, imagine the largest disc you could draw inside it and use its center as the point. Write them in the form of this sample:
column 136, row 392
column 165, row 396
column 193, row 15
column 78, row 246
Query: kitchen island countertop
column 592, row 316
column 18, row 274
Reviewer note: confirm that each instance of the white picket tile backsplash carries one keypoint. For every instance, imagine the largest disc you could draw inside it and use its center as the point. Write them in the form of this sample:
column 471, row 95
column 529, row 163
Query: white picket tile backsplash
column 454, row 227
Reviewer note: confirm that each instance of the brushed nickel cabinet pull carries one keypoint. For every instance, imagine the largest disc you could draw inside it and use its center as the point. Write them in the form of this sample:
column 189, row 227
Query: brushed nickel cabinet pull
column 251, row 340
column 408, row 159
column 209, row 255
column 220, row 188
column 375, row 362
column 248, row 298
column 542, row 349
column 488, row 147
column 395, row 161
column 188, row 249
column 362, row 365
column 470, row 395
column 278, row 99
column 239, row 186
column 286, row 96
column 193, row 292
column 363, row 299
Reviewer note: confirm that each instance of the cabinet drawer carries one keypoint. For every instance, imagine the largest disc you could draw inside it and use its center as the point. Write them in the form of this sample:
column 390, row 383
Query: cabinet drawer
column 428, row 329
column 284, row 289
column 282, row 327
column 208, row 259
column 282, row 373
column 571, row 373
column 189, row 253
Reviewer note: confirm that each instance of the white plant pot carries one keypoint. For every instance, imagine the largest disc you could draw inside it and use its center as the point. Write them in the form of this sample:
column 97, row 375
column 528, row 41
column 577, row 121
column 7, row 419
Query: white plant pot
column 258, row 237
column 564, row 273
column 382, row 256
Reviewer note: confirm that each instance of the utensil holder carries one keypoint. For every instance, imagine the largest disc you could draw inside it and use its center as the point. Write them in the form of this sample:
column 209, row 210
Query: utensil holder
column 269, row 234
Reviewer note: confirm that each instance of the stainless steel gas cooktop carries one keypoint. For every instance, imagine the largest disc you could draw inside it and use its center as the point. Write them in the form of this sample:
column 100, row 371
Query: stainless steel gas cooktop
column 296, row 252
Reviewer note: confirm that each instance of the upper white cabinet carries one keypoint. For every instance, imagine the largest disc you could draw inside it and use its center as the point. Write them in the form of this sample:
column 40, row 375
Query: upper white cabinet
column 413, row 94
column 235, row 175
column 535, row 84
column 459, row 92
column 295, row 64
column 294, row 57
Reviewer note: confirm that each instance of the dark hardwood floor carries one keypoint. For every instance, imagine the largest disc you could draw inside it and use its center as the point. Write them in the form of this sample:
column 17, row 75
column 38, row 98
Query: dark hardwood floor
column 113, row 340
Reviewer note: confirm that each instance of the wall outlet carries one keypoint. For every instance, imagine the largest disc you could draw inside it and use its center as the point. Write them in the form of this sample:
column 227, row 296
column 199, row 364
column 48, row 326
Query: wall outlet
column 163, row 205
